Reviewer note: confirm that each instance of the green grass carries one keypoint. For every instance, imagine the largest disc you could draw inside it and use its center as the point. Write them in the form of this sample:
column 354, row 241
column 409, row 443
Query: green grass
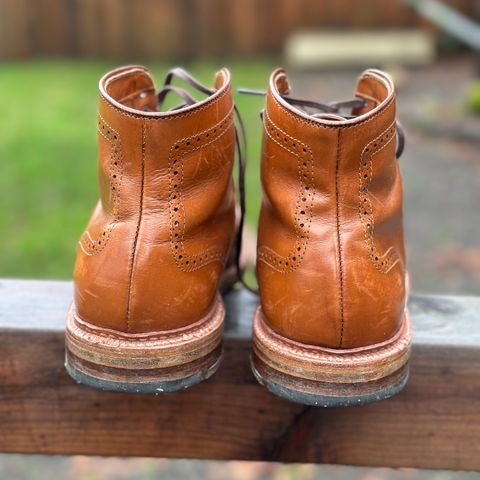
column 48, row 183
column 474, row 97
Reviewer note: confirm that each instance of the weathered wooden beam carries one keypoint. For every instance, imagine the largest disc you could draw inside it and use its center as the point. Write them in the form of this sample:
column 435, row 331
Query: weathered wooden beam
column 433, row 423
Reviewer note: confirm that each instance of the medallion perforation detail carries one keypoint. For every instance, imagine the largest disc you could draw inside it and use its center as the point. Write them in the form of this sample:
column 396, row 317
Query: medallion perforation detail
column 189, row 262
column 304, row 203
column 88, row 244
column 383, row 262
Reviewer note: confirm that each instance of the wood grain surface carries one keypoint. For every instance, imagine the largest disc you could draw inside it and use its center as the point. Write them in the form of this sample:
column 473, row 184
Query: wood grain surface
column 433, row 423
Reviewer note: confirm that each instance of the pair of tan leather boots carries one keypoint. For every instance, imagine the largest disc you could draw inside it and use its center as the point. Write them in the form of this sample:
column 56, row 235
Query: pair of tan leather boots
column 332, row 326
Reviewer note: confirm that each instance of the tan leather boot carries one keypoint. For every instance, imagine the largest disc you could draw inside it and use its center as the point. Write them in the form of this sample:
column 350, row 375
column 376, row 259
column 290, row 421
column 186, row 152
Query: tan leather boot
column 147, row 315
column 332, row 328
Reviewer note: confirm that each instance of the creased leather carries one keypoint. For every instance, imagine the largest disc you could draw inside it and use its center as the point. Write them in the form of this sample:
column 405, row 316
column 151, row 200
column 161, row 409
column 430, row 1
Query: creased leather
column 331, row 257
column 153, row 251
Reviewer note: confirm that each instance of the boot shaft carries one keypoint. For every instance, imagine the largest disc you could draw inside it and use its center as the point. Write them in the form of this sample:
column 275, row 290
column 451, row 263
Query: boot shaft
column 331, row 259
column 154, row 249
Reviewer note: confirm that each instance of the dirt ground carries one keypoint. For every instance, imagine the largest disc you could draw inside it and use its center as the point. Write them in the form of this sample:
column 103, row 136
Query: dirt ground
column 441, row 170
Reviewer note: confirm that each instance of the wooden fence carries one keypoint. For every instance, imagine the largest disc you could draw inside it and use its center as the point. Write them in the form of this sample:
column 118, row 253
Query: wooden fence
column 133, row 29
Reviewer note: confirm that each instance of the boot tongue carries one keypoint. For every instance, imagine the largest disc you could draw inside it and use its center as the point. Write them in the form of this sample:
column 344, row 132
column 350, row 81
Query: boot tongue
column 374, row 87
column 134, row 88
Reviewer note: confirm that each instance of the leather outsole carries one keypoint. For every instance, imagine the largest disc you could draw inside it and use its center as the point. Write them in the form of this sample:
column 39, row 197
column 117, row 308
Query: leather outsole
column 144, row 363
column 327, row 377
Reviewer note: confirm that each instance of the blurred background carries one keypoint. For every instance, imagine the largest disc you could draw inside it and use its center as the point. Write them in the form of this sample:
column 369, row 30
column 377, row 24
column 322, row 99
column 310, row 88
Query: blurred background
column 52, row 53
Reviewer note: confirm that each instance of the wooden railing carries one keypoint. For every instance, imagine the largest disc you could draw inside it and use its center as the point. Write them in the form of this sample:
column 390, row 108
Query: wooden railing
column 433, row 423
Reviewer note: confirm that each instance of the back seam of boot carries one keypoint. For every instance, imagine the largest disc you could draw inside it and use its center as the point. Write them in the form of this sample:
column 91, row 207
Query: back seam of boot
column 137, row 233
column 339, row 241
